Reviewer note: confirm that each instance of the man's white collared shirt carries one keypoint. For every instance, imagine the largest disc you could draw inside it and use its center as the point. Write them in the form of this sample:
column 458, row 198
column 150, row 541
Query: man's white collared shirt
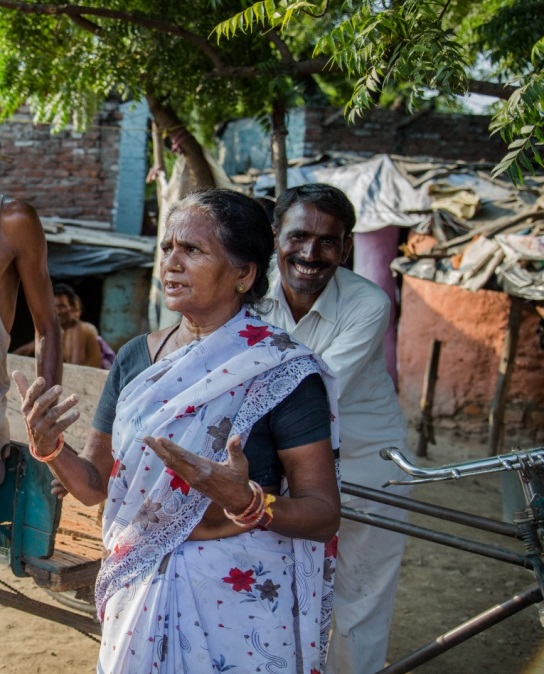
column 345, row 326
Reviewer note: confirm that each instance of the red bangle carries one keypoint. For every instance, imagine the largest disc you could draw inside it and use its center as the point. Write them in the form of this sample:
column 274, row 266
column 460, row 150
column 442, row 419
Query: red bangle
column 255, row 489
column 48, row 457
column 251, row 515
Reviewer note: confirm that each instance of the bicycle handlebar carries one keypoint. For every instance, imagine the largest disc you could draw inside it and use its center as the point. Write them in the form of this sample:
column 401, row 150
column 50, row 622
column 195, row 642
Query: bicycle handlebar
column 514, row 460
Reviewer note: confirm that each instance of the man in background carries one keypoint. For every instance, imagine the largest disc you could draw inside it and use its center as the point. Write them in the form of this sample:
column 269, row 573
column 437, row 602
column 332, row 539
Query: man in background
column 23, row 261
column 80, row 344
column 343, row 317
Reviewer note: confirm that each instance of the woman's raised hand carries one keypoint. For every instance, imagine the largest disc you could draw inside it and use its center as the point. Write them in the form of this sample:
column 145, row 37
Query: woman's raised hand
column 226, row 483
column 43, row 413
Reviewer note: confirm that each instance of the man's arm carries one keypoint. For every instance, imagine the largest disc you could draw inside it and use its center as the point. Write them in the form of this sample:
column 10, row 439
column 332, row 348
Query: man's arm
column 31, row 264
column 26, row 349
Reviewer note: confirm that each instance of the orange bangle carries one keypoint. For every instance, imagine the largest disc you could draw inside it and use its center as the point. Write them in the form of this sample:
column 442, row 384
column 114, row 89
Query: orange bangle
column 48, row 457
column 252, row 520
column 248, row 518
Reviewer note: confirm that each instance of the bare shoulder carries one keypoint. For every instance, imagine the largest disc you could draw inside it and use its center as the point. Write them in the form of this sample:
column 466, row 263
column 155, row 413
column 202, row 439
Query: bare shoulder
column 18, row 217
column 89, row 328
column 17, row 209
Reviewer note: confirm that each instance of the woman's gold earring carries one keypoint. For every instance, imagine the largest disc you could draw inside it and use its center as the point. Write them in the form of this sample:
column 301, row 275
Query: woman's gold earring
column 240, row 288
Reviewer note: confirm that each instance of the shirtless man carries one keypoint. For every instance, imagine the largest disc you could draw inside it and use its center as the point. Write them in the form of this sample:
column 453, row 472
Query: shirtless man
column 80, row 339
column 23, row 261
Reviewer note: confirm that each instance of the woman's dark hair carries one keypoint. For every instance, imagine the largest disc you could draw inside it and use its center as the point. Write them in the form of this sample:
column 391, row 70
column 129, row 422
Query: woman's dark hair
column 325, row 198
column 243, row 229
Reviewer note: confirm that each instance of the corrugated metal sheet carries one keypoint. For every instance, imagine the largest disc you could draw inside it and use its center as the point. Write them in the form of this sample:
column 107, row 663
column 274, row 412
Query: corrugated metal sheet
column 79, row 250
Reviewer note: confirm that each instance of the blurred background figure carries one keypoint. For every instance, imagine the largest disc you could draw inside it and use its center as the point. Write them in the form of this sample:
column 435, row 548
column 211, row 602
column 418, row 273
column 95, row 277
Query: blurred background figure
column 81, row 343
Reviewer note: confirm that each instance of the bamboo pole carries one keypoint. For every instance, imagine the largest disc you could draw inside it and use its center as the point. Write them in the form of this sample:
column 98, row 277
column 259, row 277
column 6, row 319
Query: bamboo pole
column 425, row 426
column 506, row 366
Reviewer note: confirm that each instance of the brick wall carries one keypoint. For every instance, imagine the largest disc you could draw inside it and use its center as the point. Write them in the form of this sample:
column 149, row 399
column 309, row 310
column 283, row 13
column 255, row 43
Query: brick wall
column 69, row 175
column 317, row 130
column 76, row 175
column 442, row 136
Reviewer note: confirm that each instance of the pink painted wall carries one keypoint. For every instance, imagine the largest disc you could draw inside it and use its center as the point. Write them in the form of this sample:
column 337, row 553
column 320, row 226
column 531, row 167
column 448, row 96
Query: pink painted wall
column 471, row 327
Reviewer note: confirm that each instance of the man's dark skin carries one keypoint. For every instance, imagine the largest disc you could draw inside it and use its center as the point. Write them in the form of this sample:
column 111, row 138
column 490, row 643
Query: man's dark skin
column 23, row 262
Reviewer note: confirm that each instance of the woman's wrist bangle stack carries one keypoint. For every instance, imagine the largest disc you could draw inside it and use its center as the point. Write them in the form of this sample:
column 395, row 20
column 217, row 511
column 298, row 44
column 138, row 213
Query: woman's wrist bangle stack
column 268, row 501
column 259, row 506
column 48, row 457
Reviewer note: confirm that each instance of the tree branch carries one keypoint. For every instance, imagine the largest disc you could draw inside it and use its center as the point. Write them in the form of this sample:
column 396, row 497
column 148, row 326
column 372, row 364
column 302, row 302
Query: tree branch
column 280, row 45
column 296, row 68
column 86, row 25
column 502, row 91
column 78, row 11
column 287, row 64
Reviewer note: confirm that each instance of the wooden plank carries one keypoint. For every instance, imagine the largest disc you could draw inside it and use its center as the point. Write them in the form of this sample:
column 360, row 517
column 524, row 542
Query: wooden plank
column 91, row 224
column 84, row 624
column 86, row 382
column 61, row 574
column 78, row 550
column 100, row 238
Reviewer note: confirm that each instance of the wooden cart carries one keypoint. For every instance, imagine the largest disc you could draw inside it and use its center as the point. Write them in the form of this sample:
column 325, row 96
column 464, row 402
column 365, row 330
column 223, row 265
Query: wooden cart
column 58, row 543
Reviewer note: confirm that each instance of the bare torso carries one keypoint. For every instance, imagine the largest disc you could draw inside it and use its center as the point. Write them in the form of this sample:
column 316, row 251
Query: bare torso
column 9, row 278
column 23, row 261
column 80, row 345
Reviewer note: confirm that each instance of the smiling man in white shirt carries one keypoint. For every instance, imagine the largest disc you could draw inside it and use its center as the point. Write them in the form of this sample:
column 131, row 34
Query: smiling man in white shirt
column 343, row 318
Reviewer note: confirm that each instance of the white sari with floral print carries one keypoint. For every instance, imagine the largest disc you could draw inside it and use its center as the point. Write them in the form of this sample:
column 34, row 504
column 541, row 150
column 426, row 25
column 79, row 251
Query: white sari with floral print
column 257, row 602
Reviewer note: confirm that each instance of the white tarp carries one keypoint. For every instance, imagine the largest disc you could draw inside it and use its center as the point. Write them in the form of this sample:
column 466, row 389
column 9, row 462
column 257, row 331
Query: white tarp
column 381, row 195
column 460, row 205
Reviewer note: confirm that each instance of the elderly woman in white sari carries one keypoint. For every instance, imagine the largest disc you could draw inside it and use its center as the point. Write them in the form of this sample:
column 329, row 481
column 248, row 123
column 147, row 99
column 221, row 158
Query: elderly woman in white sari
column 214, row 446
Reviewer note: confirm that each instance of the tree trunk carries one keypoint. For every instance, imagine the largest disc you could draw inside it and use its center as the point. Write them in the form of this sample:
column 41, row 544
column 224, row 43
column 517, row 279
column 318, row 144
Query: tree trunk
column 183, row 142
column 279, row 149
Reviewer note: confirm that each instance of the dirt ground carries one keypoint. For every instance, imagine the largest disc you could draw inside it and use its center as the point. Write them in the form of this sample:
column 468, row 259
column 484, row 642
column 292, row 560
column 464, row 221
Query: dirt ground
column 439, row 588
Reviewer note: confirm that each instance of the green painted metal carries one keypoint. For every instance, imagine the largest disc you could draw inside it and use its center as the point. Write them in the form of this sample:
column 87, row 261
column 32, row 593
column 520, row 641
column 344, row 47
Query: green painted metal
column 29, row 513
column 125, row 296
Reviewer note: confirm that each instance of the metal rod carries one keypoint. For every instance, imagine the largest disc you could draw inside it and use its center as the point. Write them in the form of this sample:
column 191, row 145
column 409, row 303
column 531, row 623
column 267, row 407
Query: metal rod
column 510, row 461
column 431, row 509
column 495, row 614
column 457, row 542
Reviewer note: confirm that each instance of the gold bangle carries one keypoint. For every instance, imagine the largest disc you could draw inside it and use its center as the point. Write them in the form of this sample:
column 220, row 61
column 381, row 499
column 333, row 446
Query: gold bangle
column 48, row 457
column 269, row 499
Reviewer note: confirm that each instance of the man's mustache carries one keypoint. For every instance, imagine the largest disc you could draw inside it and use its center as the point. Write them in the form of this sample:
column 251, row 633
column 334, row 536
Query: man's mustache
column 293, row 259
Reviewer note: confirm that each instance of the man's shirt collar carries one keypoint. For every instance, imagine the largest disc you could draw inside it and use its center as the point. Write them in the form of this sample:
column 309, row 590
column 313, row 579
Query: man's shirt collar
column 325, row 306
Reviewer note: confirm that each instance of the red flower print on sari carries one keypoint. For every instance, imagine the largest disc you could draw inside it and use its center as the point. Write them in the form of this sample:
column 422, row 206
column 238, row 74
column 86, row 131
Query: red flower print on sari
column 331, row 547
column 178, row 482
column 190, row 410
column 117, row 468
column 255, row 333
column 241, row 580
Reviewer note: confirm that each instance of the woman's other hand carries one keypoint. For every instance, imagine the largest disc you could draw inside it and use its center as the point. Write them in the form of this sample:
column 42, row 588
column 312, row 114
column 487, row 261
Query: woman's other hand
column 226, row 483
column 58, row 489
column 311, row 511
column 45, row 417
